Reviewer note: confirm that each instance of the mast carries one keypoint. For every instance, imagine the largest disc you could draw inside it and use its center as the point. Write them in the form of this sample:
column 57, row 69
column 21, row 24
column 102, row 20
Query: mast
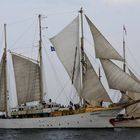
column 99, row 74
column 82, row 47
column 124, row 59
column 40, row 56
column 82, row 53
column 5, row 69
column 124, row 54
column 124, row 63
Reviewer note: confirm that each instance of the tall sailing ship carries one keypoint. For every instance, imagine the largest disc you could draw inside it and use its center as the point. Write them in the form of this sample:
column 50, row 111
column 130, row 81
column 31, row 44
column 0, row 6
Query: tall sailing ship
column 69, row 46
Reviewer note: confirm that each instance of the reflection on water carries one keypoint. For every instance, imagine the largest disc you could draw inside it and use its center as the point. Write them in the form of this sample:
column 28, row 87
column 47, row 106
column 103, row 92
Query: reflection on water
column 70, row 134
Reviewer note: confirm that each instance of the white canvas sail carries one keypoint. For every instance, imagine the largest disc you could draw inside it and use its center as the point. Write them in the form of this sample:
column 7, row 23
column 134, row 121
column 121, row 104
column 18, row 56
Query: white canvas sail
column 118, row 79
column 133, row 75
column 124, row 98
column 134, row 110
column 27, row 79
column 93, row 90
column 2, row 85
column 103, row 48
column 66, row 42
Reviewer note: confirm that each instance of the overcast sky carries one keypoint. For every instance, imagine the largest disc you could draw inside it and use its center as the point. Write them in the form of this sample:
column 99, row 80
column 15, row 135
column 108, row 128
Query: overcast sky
column 108, row 15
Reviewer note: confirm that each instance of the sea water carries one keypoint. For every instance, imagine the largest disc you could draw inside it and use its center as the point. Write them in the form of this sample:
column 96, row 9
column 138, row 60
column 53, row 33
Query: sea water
column 70, row 134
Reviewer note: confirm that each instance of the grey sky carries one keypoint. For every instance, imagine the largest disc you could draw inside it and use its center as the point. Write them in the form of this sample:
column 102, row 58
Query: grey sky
column 108, row 15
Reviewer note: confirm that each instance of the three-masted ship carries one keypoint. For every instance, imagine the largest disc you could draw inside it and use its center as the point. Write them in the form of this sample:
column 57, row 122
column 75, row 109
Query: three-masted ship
column 69, row 46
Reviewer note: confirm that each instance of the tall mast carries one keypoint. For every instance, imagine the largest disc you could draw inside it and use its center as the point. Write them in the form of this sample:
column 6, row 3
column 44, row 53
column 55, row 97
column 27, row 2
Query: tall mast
column 5, row 69
column 82, row 46
column 124, row 62
column 124, row 54
column 40, row 56
column 82, row 53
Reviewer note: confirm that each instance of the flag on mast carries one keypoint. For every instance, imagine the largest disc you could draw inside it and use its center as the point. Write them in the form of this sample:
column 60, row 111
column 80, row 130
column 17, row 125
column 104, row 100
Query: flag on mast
column 124, row 29
column 52, row 48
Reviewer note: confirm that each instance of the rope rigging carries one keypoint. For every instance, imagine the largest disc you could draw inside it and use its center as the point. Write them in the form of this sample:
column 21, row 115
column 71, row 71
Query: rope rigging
column 61, row 13
column 22, row 35
column 63, row 87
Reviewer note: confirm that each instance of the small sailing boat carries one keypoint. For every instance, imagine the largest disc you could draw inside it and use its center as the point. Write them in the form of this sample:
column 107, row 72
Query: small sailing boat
column 69, row 46
column 131, row 117
column 130, row 97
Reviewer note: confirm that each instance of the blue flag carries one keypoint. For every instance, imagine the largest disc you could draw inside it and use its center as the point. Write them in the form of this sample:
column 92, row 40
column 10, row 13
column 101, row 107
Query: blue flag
column 52, row 48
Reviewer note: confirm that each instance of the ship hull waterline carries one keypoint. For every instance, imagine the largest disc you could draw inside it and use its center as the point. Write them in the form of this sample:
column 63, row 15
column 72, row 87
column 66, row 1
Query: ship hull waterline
column 99, row 119
column 127, row 123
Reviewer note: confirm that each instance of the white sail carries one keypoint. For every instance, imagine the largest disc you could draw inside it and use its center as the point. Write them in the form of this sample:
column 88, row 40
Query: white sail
column 103, row 48
column 134, row 110
column 124, row 98
column 93, row 90
column 27, row 79
column 117, row 79
column 133, row 75
column 66, row 42
column 2, row 85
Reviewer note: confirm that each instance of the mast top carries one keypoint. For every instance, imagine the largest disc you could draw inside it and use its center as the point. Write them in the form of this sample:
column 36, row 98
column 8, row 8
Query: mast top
column 40, row 31
column 5, row 71
column 81, row 10
column 40, row 55
column 5, row 36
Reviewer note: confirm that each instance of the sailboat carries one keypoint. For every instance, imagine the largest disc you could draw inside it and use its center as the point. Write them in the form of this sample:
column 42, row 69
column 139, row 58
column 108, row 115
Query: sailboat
column 69, row 46
column 122, row 80
column 131, row 118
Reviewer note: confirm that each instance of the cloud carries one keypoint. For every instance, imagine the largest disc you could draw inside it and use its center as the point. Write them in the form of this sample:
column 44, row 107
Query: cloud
column 122, row 2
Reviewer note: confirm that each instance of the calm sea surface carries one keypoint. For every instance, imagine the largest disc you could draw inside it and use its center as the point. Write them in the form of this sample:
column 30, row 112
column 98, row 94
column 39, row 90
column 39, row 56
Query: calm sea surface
column 64, row 134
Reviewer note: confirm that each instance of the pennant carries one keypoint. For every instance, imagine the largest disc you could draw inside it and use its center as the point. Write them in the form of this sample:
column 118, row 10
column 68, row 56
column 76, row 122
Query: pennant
column 124, row 29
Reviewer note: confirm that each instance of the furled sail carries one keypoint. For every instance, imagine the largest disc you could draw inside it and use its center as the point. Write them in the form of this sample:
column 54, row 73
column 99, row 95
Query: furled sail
column 117, row 79
column 27, row 79
column 134, row 110
column 66, row 44
column 103, row 48
column 93, row 89
column 2, row 84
